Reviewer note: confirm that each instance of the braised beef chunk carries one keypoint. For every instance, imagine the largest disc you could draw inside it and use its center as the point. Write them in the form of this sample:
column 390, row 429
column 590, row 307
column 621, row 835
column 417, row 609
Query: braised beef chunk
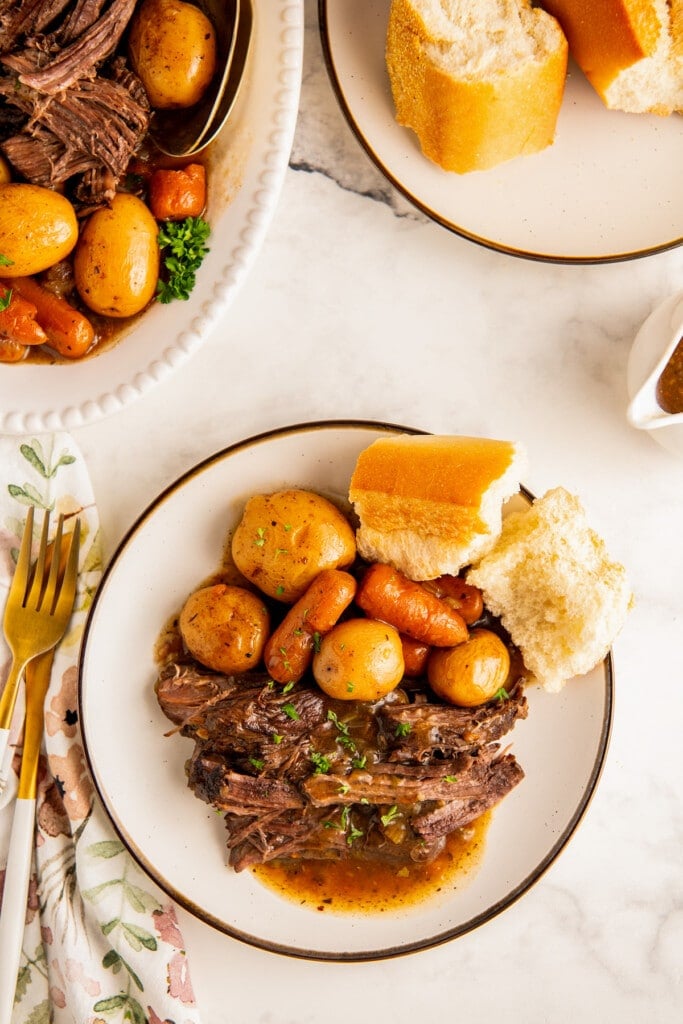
column 300, row 775
column 71, row 113
column 419, row 731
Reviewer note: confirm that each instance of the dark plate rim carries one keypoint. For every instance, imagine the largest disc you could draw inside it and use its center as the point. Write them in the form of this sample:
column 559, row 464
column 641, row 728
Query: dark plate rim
column 459, row 229
column 201, row 913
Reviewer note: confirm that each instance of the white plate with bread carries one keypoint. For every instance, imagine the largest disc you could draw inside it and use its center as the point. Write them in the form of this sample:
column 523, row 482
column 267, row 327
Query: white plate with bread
column 561, row 744
column 591, row 183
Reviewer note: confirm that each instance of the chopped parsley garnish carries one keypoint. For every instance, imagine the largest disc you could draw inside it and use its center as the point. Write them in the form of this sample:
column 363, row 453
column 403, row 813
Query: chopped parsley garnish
column 5, row 300
column 450, row 778
column 403, row 728
column 257, row 763
column 501, row 694
column 279, row 589
column 287, row 687
column 359, row 762
column 349, row 687
column 343, row 730
column 321, row 763
column 343, row 789
column 5, row 261
column 316, row 641
column 390, row 816
column 183, row 248
column 260, row 537
column 277, row 737
column 291, row 712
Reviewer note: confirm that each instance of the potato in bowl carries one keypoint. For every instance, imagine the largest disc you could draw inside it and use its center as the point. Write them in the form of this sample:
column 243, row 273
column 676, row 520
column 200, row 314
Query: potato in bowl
column 136, row 352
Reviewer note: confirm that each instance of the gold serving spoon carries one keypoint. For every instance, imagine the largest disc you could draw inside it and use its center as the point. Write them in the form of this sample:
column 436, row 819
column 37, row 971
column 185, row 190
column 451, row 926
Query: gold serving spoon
column 180, row 133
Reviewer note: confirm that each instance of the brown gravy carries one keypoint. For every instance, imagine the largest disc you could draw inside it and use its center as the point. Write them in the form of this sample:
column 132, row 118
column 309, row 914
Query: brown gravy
column 372, row 887
column 670, row 384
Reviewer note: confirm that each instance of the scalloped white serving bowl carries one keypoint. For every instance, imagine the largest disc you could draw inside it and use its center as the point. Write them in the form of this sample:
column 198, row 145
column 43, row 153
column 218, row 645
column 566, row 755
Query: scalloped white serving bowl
column 248, row 167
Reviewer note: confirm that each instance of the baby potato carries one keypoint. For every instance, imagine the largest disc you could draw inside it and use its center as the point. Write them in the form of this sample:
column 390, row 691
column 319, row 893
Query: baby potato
column 359, row 659
column 116, row 262
column 38, row 228
column 172, row 47
column 5, row 172
column 284, row 540
column 224, row 627
column 471, row 673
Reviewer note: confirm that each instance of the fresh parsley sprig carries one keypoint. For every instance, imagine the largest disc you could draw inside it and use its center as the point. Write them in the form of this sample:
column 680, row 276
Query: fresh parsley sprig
column 183, row 248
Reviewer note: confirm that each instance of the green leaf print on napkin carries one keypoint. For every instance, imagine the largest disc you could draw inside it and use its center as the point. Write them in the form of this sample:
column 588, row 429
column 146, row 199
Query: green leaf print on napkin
column 34, row 454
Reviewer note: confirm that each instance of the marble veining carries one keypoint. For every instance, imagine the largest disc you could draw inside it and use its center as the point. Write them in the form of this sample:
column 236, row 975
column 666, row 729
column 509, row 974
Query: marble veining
column 358, row 306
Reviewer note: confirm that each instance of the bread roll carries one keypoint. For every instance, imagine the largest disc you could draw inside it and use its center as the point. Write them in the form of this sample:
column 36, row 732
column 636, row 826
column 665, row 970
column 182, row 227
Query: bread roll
column 478, row 82
column 630, row 50
column 430, row 505
column 557, row 592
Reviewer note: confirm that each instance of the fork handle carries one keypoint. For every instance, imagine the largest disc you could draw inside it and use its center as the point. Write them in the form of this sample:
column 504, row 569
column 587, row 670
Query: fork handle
column 14, row 900
column 5, row 758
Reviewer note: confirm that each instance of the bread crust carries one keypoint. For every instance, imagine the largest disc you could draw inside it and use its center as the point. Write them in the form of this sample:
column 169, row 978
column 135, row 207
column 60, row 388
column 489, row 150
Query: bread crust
column 469, row 123
column 606, row 37
column 631, row 51
column 429, row 504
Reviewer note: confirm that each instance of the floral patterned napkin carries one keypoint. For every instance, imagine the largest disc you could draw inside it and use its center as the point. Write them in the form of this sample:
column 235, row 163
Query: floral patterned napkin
column 102, row 943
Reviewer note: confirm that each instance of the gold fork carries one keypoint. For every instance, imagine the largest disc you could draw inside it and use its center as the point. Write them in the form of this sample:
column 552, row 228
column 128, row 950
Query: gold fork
column 38, row 610
column 20, row 853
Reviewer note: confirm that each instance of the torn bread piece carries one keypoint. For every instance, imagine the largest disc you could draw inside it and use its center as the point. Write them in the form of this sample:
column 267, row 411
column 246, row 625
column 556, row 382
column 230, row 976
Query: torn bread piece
column 631, row 51
column 478, row 82
column 552, row 583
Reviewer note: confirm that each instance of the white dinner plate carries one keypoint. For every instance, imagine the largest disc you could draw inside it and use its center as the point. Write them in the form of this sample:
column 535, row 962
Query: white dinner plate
column 607, row 189
column 139, row 772
column 248, row 166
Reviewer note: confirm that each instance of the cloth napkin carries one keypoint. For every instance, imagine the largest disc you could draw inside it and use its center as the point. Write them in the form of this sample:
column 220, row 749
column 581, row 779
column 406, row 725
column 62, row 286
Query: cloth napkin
column 102, row 942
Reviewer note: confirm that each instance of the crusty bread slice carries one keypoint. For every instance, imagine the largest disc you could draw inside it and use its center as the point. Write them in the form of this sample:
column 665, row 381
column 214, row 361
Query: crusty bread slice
column 631, row 51
column 557, row 592
column 430, row 505
column 478, row 81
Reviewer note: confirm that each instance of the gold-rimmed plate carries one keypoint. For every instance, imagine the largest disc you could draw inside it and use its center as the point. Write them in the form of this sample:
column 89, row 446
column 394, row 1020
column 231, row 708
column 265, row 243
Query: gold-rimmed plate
column 608, row 188
column 139, row 772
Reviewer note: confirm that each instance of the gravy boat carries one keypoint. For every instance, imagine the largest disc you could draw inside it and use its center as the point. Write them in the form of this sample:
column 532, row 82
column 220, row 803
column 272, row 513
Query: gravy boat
column 652, row 349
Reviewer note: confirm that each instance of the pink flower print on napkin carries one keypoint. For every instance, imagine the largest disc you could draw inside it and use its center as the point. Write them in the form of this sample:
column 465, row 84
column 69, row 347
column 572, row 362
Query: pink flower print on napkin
column 52, row 817
column 61, row 714
column 72, row 780
column 179, row 984
column 166, row 926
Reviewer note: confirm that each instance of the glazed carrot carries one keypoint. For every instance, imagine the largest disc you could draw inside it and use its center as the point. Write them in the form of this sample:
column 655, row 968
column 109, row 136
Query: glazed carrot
column 385, row 593
column 67, row 331
column 180, row 193
column 415, row 656
column 289, row 649
column 12, row 351
column 460, row 595
column 18, row 319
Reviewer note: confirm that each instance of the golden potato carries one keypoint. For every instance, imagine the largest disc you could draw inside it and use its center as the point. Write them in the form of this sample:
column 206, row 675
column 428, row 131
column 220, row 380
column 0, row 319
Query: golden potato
column 5, row 172
column 116, row 262
column 359, row 659
column 471, row 673
column 172, row 47
column 225, row 628
column 38, row 228
column 285, row 539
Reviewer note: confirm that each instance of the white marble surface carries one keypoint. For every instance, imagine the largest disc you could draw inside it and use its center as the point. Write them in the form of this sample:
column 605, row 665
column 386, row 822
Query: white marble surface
column 358, row 307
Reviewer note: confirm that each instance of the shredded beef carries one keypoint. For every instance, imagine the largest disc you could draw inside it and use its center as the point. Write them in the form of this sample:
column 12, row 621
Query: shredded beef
column 71, row 115
column 299, row 774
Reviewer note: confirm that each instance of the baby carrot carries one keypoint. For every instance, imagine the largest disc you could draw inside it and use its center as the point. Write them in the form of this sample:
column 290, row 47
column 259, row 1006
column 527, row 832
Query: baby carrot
column 66, row 329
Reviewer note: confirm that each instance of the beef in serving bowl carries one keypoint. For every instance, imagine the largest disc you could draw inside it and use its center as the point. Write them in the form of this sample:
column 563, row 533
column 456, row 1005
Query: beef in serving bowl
column 95, row 223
